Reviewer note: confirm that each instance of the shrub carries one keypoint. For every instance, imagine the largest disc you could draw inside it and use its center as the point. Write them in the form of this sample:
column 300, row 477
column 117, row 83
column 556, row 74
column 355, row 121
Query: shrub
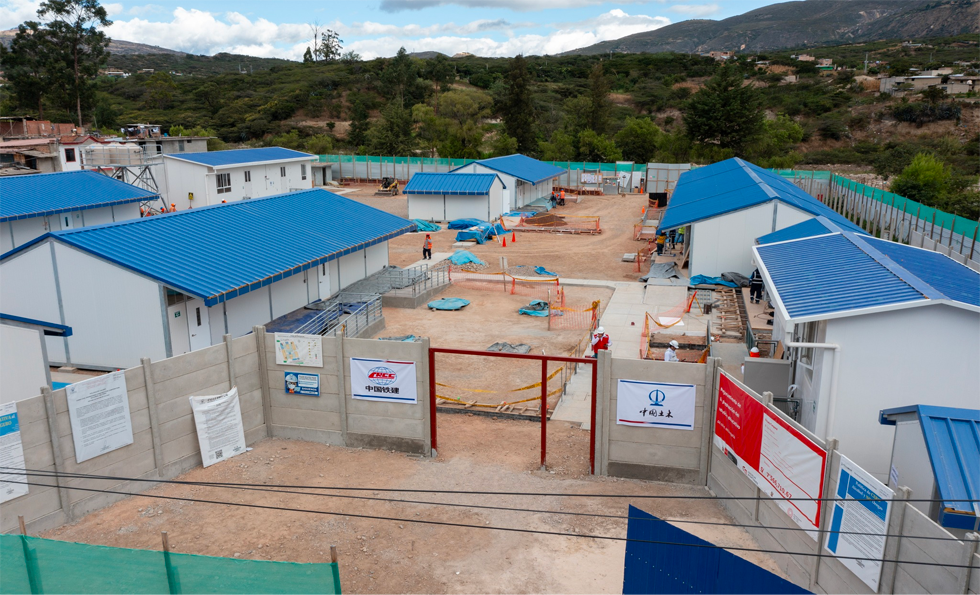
column 923, row 113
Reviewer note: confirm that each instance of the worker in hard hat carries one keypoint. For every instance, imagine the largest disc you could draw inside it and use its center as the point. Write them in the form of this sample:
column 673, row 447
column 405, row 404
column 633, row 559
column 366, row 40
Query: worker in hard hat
column 600, row 341
column 427, row 248
column 671, row 354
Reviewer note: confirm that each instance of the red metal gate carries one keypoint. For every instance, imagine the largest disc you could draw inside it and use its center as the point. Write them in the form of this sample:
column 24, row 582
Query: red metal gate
column 544, row 359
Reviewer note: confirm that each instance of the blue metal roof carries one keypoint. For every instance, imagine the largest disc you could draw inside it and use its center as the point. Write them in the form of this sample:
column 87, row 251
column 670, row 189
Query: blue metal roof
column 241, row 156
column 817, row 226
column 733, row 185
column 952, row 439
column 823, row 276
column 39, row 195
column 521, row 167
column 950, row 278
column 49, row 328
column 456, row 184
column 226, row 250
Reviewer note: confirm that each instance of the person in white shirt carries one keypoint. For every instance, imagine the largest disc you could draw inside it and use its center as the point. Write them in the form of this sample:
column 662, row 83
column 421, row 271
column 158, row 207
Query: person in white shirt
column 671, row 354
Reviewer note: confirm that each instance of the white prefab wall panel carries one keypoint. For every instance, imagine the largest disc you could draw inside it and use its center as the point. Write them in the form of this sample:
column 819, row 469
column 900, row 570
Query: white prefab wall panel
column 288, row 294
column 467, row 207
column 97, row 216
column 351, row 268
column 27, row 289
column 377, row 257
column 19, row 232
column 216, row 318
column 265, row 179
column 184, row 178
column 911, row 461
column 21, row 363
column 114, row 314
column 884, row 364
column 428, row 207
column 787, row 216
column 248, row 310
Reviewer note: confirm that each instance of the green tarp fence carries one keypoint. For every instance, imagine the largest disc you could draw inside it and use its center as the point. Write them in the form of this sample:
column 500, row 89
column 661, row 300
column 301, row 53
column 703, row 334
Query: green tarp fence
column 955, row 223
column 35, row 565
column 610, row 168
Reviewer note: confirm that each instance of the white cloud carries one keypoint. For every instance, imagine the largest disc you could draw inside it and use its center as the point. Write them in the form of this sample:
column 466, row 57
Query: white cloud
column 112, row 9
column 695, row 10
column 518, row 5
column 15, row 12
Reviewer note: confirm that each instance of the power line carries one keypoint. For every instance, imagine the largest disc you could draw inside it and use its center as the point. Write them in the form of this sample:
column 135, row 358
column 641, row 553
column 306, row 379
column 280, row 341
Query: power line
column 276, row 490
column 488, row 527
column 19, row 471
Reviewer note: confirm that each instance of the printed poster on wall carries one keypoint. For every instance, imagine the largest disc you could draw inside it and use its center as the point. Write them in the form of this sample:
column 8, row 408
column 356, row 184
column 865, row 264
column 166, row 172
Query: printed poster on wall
column 11, row 453
column 655, row 404
column 299, row 350
column 99, row 412
column 777, row 457
column 383, row 380
column 220, row 431
column 298, row 383
column 864, row 507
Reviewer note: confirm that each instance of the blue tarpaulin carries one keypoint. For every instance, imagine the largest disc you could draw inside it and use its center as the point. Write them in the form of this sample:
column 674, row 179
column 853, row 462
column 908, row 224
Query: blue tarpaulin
column 465, row 257
column 480, row 233
column 535, row 308
column 543, row 271
column 520, row 214
column 449, row 304
column 705, row 280
column 425, row 225
column 465, row 223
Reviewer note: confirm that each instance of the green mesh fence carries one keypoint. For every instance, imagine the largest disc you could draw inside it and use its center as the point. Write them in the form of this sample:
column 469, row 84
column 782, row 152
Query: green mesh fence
column 454, row 163
column 35, row 565
column 803, row 173
column 954, row 223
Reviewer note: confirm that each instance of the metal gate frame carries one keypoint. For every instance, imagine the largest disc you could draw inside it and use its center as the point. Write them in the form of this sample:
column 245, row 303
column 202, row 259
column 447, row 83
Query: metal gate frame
column 544, row 359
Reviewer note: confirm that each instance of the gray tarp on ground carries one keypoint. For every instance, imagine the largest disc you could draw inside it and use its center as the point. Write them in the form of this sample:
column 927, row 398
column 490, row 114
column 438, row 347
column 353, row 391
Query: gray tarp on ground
column 736, row 278
column 661, row 270
column 509, row 348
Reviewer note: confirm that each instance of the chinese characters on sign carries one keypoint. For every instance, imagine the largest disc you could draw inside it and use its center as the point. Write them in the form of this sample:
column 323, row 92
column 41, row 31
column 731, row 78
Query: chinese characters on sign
column 383, row 380
column 655, row 404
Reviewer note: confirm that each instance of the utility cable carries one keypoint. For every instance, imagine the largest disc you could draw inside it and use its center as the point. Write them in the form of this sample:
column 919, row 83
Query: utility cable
column 492, row 528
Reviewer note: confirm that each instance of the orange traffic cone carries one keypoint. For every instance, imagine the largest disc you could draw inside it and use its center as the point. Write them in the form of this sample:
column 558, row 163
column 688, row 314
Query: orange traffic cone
column 513, row 237
column 643, row 211
column 505, row 241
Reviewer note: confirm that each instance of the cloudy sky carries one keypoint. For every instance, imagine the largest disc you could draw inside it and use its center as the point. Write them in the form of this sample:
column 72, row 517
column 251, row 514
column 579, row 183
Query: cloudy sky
column 372, row 28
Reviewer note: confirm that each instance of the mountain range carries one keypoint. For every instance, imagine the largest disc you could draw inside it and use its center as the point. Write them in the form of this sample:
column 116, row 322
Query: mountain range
column 117, row 47
column 805, row 23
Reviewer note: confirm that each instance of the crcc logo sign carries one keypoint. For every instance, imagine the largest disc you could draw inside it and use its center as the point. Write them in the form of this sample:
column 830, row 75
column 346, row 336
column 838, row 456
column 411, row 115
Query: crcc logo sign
column 382, row 376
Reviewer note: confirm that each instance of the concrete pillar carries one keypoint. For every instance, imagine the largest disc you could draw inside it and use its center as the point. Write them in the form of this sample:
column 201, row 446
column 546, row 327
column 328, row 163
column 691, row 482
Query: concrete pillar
column 342, row 386
column 893, row 545
column 59, row 462
column 708, row 418
column 260, row 345
column 826, row 509
column 970, row 550
column 151, row 405
column 423, row 369
column 231, row 362
column 603, row 404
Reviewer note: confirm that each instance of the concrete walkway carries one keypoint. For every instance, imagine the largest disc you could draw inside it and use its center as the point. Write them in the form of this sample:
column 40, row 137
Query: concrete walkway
column 575, row 405
column 437, row 257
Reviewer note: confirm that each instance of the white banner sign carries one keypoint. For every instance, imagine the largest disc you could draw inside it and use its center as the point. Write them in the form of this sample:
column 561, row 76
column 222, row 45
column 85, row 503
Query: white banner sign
column 99, row 412
column 590, row 178
column 655, row 404
column 299, row 350
column 11, row 453
column 220, row 431
column 865, row 508
column 383, row 380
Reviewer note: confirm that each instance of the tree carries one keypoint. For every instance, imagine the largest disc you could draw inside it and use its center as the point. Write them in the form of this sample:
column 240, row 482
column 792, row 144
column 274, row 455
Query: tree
column 502, row 144
column 518, row 109
column 26, row 65
column 926, row 180
column 778, row 137
column 400, row 79
column 392, row 134
column 599, row 104
column 210, row 95
column 440, row 71
column 81, row 47
column 350, row 57
column 357, row 135
column 330, row 45
column 934, row 94
column 160, row 90
column 639, row 139
column 307, row 56
column 725, row 112
column 462, row 112
column 594, row 148
column 560, row 147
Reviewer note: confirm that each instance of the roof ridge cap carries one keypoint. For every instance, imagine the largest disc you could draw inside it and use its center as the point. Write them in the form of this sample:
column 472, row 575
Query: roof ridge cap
column 927, row 290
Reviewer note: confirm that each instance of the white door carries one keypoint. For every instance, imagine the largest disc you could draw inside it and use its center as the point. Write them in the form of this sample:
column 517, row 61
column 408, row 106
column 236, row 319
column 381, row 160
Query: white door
column 197, row 323
column 505, row 201
column 324, row 275
column 247, row 186
column 177, row 315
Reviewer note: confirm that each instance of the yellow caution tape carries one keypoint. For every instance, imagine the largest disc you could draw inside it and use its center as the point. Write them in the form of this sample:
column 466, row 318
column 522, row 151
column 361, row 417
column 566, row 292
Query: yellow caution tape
column 495, row 405
column 480, row 390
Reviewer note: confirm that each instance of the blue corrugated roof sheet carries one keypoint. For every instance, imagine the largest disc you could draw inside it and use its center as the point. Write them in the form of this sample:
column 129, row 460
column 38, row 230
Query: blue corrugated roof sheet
column 733, row 185
column 241, row 156
column 49, row 328
column 952, row 438
column 37, row 195
column 842, row 272
column 456, row 184
column 817, row 226
column 522, row 167
column 226, row 250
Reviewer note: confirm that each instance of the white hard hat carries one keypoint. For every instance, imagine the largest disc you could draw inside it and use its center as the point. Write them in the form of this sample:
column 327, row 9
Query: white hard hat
column 675, row 344
column 600, row 330
column 754, row 350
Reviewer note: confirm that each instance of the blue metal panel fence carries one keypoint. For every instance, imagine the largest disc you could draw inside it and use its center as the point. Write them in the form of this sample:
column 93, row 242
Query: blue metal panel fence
column 668, row 568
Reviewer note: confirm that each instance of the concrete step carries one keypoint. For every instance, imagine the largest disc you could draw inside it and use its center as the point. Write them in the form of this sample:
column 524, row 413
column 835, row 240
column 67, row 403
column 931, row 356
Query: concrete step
column 575, row 405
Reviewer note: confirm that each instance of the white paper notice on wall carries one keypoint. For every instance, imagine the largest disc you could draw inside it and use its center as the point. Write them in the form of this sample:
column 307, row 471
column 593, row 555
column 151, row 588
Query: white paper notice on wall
column 99, row 412
column 220, row 431
column 655, row 404
column 299, row 350
column 11, row 453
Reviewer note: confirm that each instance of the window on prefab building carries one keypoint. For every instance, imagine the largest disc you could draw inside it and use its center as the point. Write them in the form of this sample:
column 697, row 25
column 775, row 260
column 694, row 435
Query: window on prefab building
column 180, row 145
column 302, row 170
column 282, row 171
column 224, row 183
column 248, row 176
column 70, row 155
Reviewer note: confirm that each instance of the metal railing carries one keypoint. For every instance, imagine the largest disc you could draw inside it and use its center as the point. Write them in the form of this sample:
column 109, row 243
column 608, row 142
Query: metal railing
column 346, row 314
column 411, row 281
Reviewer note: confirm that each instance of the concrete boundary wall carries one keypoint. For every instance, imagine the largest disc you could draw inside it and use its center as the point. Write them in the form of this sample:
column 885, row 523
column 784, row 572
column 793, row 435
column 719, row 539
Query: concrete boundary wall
column 165, row 442
column 677, row 456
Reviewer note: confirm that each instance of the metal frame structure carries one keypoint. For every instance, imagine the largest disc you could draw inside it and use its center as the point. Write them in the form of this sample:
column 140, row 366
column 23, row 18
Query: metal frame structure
column 544, row 359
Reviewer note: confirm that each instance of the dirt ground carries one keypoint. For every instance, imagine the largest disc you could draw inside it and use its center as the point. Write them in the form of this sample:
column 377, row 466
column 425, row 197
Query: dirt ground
column 573, row 256
column 402, row 555
column 491, row 317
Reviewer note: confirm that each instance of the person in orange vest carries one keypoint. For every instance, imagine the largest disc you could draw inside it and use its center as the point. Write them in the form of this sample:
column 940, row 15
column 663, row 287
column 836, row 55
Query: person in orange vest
column 561, row 198
column 427, row 248
column 173, row 208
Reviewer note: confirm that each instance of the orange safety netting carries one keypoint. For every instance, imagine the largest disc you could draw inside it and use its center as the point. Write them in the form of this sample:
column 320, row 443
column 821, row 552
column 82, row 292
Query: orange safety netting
column 536, row 288
column 561, row 316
